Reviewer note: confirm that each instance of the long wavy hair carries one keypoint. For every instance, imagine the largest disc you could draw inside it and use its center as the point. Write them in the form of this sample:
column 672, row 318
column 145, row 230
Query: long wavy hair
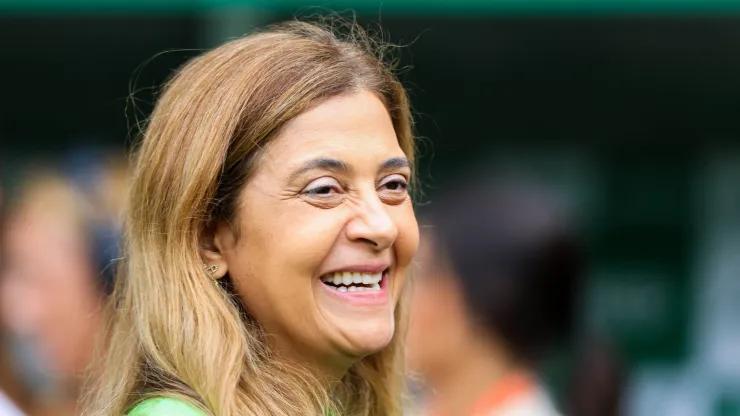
column 174, row 333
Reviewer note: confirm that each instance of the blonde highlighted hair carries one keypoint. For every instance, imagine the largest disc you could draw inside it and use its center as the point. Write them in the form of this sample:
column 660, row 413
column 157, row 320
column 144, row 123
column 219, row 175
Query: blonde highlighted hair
column 172, row 332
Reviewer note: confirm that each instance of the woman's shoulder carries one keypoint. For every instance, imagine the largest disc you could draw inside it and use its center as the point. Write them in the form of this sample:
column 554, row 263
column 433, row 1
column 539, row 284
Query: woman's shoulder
column 161, row 406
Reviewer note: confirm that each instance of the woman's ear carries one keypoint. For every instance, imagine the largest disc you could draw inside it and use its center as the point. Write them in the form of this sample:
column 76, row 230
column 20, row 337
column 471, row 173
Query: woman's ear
column 217, row 242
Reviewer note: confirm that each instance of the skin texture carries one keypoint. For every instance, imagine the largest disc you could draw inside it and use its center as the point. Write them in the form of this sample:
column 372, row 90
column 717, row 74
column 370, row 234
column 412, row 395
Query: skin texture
column 329, row 194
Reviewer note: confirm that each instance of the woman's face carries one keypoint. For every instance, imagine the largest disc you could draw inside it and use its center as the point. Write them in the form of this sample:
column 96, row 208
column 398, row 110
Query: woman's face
column 326, row 233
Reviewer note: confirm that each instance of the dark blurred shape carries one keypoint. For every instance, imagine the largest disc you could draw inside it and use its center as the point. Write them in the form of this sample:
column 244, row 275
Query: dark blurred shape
column 598, row 383
column 74, row 74
column 102, row 178
column 517, row 259
column 500, row 274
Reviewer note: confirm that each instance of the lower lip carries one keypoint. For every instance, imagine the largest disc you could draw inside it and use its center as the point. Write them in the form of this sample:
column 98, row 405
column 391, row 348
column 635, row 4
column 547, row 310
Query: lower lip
column 365, row 298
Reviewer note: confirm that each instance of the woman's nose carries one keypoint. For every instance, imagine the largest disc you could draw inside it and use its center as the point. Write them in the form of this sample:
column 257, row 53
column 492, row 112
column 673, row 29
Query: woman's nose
column 373, row 224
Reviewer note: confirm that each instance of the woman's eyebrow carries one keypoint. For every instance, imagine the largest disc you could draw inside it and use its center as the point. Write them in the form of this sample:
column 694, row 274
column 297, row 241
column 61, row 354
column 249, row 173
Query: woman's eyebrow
column 319, row 163
column 395, row 163
column 339, row 166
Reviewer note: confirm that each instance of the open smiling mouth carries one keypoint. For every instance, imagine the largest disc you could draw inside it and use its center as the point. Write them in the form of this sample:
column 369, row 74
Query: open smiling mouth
column 355, row 281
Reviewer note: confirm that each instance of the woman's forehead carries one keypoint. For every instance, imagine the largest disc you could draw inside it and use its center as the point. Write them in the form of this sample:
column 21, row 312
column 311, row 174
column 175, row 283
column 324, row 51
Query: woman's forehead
column 344, row 127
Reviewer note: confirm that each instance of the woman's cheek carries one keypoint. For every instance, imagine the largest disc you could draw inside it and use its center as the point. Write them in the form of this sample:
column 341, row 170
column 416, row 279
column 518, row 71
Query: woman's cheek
column 313, row 233
column 408, row 236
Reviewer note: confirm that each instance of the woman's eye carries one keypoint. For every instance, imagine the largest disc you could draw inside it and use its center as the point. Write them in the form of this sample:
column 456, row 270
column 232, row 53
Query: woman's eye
column 321, row 190
column 396, row 186
column 323, row 187
column 394, row 189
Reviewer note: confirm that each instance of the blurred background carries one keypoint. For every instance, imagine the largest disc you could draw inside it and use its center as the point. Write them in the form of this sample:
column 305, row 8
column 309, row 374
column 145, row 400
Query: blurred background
column 627, row 110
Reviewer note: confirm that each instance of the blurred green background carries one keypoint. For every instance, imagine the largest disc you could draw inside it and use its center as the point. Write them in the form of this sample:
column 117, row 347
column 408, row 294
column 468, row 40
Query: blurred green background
column 628, row 109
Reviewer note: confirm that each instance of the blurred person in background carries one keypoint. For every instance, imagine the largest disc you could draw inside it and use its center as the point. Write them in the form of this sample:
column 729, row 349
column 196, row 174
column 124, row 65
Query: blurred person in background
column 13, row 395
column 497, row 280
column 59, row 242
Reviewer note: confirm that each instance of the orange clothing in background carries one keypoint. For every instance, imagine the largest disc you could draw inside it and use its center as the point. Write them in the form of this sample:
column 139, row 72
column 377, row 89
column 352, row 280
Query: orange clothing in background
column 515, row 395
column 508, row 389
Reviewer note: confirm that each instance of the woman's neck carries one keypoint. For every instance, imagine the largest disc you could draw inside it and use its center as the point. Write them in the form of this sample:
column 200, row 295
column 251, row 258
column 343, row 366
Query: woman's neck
column 326, row 370
column 456, row 388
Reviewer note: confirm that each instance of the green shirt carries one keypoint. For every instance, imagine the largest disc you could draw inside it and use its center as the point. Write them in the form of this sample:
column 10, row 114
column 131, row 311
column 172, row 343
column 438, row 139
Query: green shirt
column 164, row 407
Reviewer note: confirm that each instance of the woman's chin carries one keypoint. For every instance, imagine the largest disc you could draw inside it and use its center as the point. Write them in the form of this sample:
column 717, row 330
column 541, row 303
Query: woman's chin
column 369, row 341
column 357, row 324
column 358, row 339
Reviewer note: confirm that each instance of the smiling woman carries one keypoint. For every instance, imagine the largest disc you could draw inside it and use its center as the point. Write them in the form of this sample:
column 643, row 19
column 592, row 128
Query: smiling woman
column 269, row 236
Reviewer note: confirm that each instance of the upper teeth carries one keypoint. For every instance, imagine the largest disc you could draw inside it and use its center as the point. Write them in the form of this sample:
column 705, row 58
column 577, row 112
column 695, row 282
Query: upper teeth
column 349, row 278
